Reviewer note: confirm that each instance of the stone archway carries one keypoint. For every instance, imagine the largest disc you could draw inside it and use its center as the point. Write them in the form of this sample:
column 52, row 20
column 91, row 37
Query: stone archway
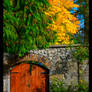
column 37, row 58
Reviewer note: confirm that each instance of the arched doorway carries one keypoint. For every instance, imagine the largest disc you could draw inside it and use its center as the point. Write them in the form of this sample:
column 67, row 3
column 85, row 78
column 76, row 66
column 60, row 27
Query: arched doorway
column 29, row 77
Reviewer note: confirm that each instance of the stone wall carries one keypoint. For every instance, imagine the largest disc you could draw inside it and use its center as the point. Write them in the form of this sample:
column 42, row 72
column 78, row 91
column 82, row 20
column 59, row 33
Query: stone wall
column 6, row 83
column 61, row 63
column 59, row 58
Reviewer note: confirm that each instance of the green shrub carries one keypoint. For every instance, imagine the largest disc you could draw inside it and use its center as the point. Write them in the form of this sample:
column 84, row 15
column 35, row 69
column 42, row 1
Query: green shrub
column 81, row 53
column 83, row 87
column 59, row 86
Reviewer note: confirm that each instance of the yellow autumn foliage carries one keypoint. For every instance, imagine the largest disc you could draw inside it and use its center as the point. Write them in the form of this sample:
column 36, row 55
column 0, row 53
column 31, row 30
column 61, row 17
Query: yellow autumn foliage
column 64, row 21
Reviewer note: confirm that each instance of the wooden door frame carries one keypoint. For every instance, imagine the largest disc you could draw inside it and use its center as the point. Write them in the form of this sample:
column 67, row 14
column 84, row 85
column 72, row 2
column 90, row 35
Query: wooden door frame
column 30, row 62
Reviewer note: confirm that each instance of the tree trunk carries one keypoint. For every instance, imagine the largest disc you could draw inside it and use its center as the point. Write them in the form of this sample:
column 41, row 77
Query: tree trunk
column 86, row 29
column 78, row 71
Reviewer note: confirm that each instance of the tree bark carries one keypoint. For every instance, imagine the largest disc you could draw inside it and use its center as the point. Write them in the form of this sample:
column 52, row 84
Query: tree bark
column 86, row 29
column 78, row 64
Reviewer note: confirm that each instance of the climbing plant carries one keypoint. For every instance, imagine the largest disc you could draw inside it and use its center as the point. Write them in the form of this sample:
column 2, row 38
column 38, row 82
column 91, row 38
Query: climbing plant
column 25, row 26
column 80, row 54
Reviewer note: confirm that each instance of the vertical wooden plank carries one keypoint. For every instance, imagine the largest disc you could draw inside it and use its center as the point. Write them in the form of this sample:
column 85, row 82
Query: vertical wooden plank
column 13, row 82
column 16, row 79
column 27, row 78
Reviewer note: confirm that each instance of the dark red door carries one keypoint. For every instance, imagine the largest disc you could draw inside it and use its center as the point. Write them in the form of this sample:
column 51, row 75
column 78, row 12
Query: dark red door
column 29, row 78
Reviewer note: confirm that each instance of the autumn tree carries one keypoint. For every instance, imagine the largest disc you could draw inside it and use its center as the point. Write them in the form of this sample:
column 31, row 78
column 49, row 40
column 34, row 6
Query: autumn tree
column 64, row 22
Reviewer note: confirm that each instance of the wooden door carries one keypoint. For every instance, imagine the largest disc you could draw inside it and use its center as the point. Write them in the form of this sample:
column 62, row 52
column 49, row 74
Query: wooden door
column 29, row 78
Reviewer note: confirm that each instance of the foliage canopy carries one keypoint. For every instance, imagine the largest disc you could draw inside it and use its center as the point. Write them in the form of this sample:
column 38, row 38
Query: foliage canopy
column 63, row 21
column 25, row 26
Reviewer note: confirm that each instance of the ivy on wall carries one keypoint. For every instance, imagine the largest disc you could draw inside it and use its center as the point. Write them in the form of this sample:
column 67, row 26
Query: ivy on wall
column 25, row 26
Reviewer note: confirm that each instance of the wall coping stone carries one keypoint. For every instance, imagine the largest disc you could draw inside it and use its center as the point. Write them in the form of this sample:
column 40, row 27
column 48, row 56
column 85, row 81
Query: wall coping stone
column 63, row 46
